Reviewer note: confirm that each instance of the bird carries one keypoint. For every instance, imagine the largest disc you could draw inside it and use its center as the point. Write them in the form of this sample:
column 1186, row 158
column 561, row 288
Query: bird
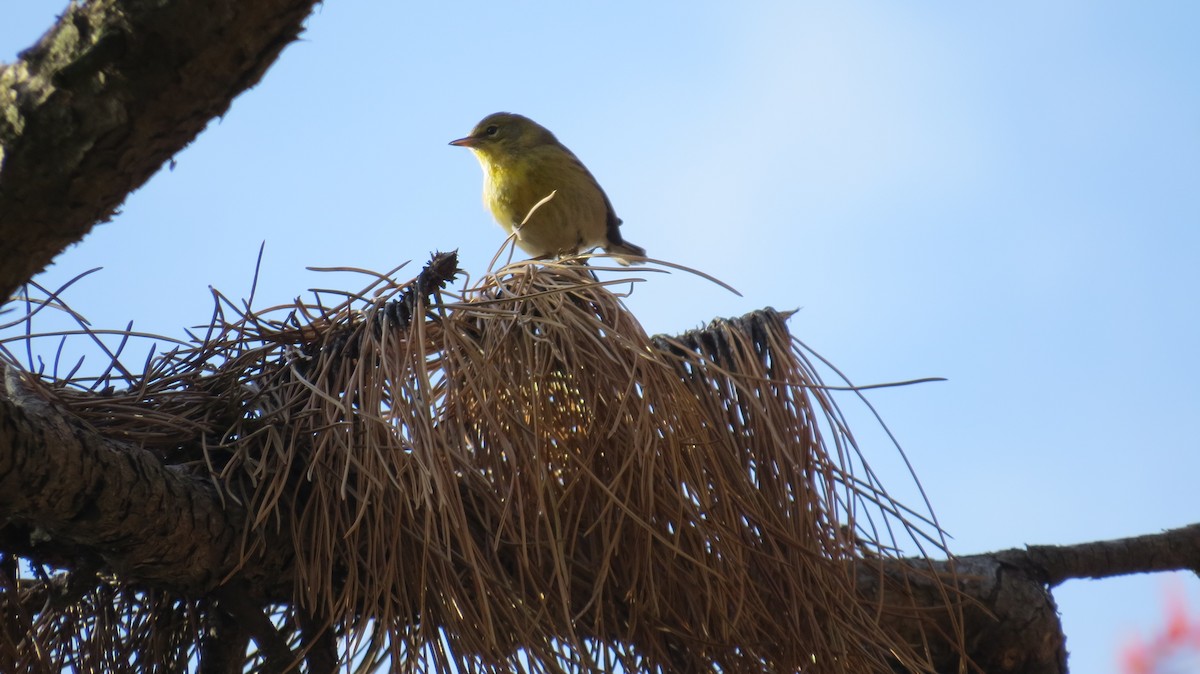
column 525, row 166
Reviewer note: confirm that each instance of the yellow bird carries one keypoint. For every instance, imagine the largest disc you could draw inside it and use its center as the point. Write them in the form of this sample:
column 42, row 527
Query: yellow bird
column 523, row 163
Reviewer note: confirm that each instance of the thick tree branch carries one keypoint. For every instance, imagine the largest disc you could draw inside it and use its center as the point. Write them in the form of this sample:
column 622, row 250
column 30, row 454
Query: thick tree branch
column 78, row 499
column 1008, row 619
column 69, row 495
column 108, row 95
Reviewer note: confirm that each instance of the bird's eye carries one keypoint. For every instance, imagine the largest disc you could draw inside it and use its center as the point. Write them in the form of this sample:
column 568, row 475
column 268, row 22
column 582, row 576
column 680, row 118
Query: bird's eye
column 491, row 130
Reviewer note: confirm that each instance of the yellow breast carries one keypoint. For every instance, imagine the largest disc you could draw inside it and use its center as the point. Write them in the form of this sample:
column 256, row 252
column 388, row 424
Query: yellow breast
column 573, row 221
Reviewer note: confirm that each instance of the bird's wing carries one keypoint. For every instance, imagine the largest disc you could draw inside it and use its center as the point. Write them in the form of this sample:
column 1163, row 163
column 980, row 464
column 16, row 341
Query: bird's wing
column 612, row 223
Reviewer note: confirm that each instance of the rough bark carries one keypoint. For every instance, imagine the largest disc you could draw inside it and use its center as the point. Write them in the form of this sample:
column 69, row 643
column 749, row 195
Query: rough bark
column 109, row 94
column 73, row 498
column 1007, row 616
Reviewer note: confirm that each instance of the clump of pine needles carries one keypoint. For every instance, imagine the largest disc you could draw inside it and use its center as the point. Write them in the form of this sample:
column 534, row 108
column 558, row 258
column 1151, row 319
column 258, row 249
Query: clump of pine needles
column 516, row 477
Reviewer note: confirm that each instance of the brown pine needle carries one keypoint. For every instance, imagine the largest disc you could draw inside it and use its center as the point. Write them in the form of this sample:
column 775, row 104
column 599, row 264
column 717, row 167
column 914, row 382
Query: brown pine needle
column 516, row 477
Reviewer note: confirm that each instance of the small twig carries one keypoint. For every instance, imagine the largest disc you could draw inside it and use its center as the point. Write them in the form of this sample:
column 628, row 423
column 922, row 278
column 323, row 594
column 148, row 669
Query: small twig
column 1172, row 550
column 440, row 270
column 253, row 619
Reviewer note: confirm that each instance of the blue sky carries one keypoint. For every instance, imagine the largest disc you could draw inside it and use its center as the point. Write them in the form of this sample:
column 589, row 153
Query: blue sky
column 1004, row 195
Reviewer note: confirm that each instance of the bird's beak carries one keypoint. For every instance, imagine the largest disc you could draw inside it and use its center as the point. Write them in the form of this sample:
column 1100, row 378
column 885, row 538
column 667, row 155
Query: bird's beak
column 469, row 141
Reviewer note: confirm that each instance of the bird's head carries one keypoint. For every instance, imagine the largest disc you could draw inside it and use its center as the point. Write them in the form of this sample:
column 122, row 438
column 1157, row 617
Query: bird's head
column 504, row 134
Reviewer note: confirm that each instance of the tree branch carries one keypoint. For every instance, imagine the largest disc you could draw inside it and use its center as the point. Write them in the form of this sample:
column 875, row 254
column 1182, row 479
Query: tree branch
column 112, row 91
column 1173, row 550
column 253, row 619
column 223, row 646
column 1008, row 619
column 70, row 496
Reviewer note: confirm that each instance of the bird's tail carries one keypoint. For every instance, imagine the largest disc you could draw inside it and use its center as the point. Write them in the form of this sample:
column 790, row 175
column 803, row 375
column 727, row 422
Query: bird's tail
column 622, row 252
